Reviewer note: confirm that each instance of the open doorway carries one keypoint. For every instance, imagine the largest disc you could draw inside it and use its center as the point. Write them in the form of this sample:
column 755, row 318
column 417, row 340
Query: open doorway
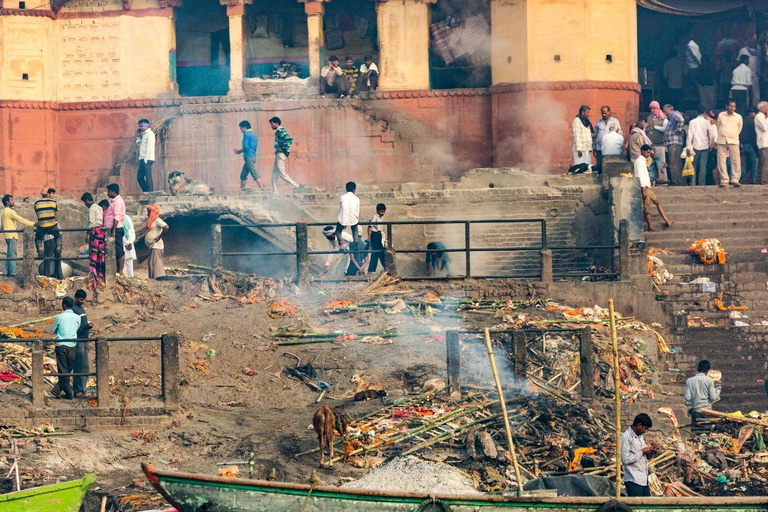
column 672, row 70
column 460, row 46
column 202, row 49
column 277, row 40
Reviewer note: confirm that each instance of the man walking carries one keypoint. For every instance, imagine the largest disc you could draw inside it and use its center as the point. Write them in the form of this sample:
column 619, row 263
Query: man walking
column 701, row 137
column 283, row 143
column 377, row 238
column 349, row 211
column 113, row 221
column 649, row 198
column 761, row 129
column 729, row 125
column 673, row 141
column 700, row 392
column 248, row 150
column 81, row 350
column 65, row 327
column 634, row 456
column 47, row 212
column 748, row 140
column 146, row 143
column 10, row 218
column 601, row 128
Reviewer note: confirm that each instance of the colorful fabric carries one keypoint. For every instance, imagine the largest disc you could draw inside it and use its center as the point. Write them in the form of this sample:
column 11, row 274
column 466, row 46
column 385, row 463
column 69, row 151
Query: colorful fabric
column 656, row 110
column 442, row 33
column 46, row 209
column 283, row 141
column 97, row 252
column 10, row 377
column 471, row 35
column 154, row 212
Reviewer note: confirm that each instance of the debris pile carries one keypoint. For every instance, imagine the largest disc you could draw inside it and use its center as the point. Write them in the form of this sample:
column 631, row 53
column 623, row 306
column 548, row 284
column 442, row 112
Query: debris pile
column 709, row 251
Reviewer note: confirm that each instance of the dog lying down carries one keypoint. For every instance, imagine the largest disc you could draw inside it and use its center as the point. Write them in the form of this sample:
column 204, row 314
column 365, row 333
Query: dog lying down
column 180, row 185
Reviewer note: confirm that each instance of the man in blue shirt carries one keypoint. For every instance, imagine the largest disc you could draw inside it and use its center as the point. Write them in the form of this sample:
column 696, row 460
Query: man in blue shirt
column 65, row 327
column 250, row 143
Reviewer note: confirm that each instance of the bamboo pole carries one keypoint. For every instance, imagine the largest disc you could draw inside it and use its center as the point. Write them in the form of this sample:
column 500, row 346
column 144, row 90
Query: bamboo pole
column 503, row 404
column 617, row 396
column 740, row 419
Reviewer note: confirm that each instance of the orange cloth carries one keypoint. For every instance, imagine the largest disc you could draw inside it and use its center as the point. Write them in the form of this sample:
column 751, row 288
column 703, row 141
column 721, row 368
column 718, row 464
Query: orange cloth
column 154, row 212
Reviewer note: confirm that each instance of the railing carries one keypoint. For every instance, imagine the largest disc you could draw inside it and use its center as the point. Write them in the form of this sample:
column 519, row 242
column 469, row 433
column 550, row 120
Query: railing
column 546, row 272
column 29, row 253
column 169, row 367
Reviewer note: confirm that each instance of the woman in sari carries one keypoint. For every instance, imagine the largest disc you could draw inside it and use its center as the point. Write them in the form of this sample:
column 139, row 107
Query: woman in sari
column 98, row 251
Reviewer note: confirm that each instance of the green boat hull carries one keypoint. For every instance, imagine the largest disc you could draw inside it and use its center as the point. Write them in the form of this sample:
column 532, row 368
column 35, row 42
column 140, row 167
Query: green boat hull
column 200, row 493
column 61, row 497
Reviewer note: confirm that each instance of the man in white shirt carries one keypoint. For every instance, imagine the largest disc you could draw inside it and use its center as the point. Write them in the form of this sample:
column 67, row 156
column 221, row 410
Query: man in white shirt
column 95, row 212
column 601, row 128
column 649, row 198
column 761, row 128
column 701, row 137
column 613, row 143
column 338, row 262
column 349, row 211
column 369, row 75
column 332, row 78
column 146, row 143
column 634, row 456
column 753, row 53
column 741, row 83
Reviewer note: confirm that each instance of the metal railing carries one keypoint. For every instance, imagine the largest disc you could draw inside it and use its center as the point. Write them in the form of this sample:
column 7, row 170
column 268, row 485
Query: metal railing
column 545, row 252
column 169, row 369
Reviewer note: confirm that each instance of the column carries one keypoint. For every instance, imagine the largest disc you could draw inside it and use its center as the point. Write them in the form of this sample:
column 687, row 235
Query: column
column 237, row 48
column 403, row 44
column 509, row 57
column 315, row 10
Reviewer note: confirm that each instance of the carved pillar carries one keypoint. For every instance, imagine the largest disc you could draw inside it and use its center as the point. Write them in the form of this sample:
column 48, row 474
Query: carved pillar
column 315, row 10
column 403, row 44
column 237, row 45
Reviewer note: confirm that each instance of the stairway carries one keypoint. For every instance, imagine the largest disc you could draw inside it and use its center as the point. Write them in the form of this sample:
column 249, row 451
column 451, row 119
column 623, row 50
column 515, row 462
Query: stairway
column 738, row 217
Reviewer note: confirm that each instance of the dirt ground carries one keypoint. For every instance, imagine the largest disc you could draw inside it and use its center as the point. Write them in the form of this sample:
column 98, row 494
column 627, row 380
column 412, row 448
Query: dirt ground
column 227, row 413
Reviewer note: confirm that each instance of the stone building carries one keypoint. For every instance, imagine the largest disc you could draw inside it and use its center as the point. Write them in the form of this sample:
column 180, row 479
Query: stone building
column 76, row 75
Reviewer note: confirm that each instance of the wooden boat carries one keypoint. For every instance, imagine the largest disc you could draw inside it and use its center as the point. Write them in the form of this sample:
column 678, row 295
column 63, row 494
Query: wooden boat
column 61, row 497
column 201, row 493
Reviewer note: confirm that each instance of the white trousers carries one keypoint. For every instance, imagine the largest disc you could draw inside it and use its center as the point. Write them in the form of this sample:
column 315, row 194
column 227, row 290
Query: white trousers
column 128, row 268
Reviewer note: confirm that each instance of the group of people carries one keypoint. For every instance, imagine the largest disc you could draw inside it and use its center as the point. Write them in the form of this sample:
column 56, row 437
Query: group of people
column 348, row 80
column 69, row 326
column 700, row 393
column 250, row 144
column 109, row 218
column 732, row 70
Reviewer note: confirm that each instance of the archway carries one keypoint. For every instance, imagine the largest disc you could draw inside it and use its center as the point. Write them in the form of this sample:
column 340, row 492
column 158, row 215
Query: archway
column 202, row 48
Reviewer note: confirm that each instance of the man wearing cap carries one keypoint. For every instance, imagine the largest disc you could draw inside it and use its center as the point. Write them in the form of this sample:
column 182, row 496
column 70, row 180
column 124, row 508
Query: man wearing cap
column 146, row 143
column 338, row 262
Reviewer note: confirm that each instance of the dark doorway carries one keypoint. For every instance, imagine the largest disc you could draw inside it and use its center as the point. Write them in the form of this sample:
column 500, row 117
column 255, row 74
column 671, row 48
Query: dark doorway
column 202, row 49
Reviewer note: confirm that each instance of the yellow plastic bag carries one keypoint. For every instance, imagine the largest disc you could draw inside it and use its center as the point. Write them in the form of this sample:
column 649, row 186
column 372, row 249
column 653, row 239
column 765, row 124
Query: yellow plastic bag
column 688, row 171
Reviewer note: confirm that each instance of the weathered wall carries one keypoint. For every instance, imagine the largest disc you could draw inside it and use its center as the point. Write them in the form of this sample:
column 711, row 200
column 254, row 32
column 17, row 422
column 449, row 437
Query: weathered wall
column 526, row 41
column 404, row 44
column 546, row 145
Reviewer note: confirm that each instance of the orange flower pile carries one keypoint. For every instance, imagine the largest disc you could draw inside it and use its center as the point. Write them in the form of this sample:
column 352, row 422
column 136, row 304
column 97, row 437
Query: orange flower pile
column 281, row 309
column 16, row 332
column 719, row 304
column 334, row 304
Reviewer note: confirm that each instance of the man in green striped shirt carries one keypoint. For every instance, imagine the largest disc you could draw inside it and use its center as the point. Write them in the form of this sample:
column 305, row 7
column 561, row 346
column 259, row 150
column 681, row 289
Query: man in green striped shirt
column 283, row 143
column 47, row 212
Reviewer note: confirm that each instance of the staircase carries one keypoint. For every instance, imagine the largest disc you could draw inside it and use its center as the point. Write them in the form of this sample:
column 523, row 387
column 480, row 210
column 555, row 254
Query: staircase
column 739, row 219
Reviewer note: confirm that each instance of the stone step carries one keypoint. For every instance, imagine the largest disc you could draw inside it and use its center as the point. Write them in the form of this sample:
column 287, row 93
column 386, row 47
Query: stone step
column 685, row 258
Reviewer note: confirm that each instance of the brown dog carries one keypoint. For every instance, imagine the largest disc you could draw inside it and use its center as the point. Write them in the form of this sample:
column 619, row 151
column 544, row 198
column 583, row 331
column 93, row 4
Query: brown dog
column 325, row 422
column 363, row 385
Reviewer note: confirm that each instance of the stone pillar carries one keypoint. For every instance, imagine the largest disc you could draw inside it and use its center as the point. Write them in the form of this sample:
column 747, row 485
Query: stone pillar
column 302, row 257
column 38, row 379
column 586, row 363
column 237, row 47
column 315, row 10
column 625, row 270
column 216, row 249
column 28, row 267
column 102, row 372
column 453, row 354
column 110, row 263
column 547, row 275
column 169, row 354
column 403, row 44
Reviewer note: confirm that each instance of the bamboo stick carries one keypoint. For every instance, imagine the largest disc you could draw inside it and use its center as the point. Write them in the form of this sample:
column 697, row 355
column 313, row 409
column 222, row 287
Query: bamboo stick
column 30, row 322
column 503, row 404
column 740, row 419
column 617, row 396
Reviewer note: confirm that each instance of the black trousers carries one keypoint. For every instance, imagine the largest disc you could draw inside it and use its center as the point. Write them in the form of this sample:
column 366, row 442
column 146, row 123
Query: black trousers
column 376, row 257
column 340, row 228
column 637, row 490
column 144, row 176
column 52, row 268
column 65, row 362
column 81, row 366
